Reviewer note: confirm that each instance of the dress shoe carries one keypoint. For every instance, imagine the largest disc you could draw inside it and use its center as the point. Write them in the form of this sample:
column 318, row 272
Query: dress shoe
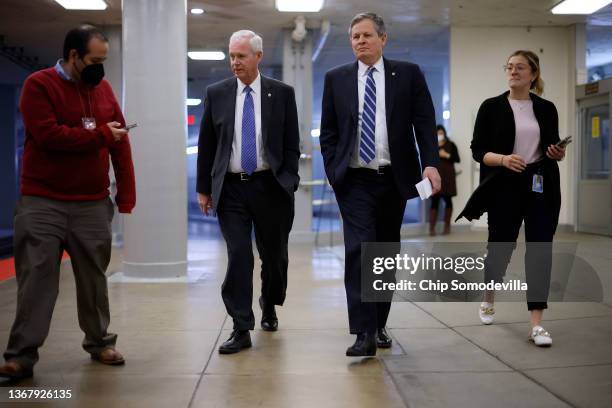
column 269, row 321
column 383, row 340
column 15, row 371
column 540, row 337
column 365, row 345
column 109, row 356
column 240, row 339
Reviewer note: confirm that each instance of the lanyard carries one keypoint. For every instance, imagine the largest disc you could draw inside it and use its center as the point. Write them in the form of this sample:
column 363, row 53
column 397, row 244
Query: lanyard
column 82, row 105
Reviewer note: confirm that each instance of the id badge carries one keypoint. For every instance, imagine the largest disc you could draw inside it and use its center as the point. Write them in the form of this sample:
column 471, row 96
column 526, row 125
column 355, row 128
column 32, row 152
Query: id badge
column 89, row 123
column 538, row 183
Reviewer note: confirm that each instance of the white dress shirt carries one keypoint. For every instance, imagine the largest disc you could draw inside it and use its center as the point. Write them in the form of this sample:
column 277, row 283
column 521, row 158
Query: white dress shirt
column 383, row 158
column 235, row 165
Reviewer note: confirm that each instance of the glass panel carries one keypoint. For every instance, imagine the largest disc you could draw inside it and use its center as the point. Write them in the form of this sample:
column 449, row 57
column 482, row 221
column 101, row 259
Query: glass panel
column 596, row 143
column 598, row 46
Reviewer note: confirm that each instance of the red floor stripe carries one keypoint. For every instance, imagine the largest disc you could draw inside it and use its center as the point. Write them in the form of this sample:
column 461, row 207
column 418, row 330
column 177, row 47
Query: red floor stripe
column 7, row 267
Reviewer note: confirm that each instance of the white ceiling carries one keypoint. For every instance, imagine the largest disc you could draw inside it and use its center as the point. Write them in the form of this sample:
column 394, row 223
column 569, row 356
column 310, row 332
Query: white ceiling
column 416, row 27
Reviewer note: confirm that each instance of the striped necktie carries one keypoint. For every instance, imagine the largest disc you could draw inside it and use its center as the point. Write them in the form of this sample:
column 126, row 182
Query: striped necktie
column 367, row 147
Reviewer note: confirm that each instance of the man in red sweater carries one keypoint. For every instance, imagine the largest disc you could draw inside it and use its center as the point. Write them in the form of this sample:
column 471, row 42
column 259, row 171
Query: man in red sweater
column 73, row 125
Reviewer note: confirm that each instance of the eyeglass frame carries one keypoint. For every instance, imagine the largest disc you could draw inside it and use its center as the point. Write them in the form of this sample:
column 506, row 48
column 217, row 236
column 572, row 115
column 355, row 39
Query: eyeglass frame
column 519, row 67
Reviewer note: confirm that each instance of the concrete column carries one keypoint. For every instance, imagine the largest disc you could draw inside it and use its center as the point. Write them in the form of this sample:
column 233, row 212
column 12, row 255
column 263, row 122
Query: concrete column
column 155, row 88
column 113, row 65
column 297, row 72
column 114, row 75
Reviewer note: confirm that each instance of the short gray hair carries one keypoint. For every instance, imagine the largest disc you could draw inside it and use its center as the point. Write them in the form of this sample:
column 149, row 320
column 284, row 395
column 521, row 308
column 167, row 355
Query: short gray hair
column 255, row 40
column 379, row 23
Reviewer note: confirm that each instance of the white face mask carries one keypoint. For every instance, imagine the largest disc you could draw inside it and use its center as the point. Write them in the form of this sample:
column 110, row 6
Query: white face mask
column 440, row 138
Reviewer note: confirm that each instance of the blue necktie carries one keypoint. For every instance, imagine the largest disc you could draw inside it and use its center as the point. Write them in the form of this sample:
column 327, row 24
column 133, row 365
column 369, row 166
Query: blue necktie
column 249, row 142
column 367, row 147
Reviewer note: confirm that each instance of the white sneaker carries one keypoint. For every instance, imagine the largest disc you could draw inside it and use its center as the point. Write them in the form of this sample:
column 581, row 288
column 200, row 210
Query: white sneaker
column 540, row 337
column 486, row 312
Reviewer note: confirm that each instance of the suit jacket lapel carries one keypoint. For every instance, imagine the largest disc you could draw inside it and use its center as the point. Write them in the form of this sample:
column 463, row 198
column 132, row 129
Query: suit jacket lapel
column 230, row 103
column 353, row 95
column 390, row 87
column 266, row 108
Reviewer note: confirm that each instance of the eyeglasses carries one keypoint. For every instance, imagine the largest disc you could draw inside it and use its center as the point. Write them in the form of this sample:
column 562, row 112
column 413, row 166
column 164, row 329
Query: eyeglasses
column 519, row 67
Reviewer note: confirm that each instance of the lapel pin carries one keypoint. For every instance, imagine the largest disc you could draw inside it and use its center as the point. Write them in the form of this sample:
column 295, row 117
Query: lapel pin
column 269, row 95
column 393, row 74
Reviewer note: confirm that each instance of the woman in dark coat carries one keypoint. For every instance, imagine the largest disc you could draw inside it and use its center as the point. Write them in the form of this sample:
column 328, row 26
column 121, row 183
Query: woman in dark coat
column 515, row 137
column 448, row 157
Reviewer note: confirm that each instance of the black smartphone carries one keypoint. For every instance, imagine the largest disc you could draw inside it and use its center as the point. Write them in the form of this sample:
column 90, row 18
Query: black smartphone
column 564, row 142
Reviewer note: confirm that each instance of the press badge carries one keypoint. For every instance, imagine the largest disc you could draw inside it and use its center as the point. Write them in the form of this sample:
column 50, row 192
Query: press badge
column 538, row 183
column 89, row 123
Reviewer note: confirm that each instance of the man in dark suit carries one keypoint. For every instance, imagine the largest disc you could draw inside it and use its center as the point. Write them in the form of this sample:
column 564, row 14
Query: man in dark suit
column 248, row 156
column 374, row 110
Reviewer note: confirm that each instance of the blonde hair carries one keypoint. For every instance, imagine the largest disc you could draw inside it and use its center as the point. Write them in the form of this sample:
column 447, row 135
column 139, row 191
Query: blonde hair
column 537, row 85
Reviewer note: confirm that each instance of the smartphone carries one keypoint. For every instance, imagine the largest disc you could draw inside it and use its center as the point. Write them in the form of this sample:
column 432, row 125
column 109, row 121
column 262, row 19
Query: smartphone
column 133, row 125
column 564, row 142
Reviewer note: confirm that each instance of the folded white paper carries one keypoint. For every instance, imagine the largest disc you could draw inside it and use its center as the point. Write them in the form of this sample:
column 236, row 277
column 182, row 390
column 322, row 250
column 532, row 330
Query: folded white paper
column 424, row 188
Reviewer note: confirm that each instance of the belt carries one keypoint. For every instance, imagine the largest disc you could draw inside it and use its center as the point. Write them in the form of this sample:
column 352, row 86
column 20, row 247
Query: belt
column 381, row 171
column 246, row 177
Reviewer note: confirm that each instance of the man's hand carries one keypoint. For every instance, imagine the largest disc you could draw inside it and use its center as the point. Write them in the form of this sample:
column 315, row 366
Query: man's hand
column 555, row 152
column 205, row 203
column 434, row 178
column 116, row 130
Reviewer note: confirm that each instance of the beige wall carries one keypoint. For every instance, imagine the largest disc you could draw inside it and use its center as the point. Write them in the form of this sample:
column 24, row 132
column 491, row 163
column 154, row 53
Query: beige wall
column 476, row 58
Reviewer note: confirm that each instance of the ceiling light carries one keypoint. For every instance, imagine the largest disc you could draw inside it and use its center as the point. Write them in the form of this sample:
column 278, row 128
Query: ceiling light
column 206, row 55
column 446, row 115
column 193, row 101
column 197, row 11
column 579, row 6
column 82, row 4
column 305, row 6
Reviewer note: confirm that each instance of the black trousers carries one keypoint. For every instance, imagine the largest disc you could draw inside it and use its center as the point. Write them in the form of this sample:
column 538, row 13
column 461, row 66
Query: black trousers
column 44, row 228
column 513, row 204
column 263, row 204
column 372, row 211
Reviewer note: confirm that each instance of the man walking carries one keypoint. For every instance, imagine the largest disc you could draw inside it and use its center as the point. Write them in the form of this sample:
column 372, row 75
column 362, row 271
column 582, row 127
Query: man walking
column 374, row 109
column 248, row 156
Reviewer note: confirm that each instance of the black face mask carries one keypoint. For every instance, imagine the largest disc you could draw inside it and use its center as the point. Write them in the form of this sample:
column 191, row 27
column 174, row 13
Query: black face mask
column 92, row 74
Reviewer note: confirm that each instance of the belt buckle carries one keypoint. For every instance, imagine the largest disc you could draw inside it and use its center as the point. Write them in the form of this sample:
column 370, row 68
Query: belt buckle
column 380, row 170
column 244, row 176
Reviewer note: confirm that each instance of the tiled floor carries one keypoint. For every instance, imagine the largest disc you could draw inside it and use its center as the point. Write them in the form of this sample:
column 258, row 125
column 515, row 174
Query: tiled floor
column 442, row 356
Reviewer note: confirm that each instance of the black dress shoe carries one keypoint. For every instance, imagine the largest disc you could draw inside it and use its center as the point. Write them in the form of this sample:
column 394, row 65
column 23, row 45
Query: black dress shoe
column 269, row 321
column 365, row 345
column 240, row 339
column 383, row 340
column 15, row 371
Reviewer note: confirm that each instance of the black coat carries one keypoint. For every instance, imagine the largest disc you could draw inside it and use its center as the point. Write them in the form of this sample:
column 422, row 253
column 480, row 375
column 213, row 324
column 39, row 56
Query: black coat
column 494, row 131
column 446, row 168
column 410, row 116
column 279, row 128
